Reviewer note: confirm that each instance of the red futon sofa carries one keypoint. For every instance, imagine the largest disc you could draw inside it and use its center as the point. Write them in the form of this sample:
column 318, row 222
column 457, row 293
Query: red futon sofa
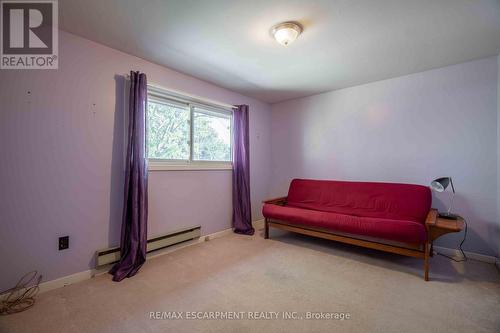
column 383, row 216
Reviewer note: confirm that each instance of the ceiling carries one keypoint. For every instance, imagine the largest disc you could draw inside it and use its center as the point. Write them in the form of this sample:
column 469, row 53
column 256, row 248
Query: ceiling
column 344, row 43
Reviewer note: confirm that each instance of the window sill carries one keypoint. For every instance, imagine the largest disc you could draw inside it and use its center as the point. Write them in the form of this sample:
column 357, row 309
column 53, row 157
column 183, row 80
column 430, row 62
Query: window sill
column 166, row 166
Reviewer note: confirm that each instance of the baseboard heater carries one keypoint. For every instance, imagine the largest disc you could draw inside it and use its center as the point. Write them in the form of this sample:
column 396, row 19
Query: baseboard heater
column 111, row 255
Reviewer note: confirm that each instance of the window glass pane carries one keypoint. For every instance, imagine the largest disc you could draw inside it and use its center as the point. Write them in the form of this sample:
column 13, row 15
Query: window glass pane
column 211, row 136
column 168, row 131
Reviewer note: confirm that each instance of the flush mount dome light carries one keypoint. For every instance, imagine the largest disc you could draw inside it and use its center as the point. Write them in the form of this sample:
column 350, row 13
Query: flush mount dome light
column 285, row 33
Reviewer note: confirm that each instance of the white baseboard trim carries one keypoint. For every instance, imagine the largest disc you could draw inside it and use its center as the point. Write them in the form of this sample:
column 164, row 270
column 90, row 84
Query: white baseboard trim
column 259, row 224
column 88, row 274
column 66, row 280
column 217, row 234
column 60, row 282
column 471, row 255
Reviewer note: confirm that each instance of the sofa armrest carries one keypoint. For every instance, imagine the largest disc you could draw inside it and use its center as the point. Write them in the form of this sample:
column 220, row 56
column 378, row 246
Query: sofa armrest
column 276, row 201
column 431, row 217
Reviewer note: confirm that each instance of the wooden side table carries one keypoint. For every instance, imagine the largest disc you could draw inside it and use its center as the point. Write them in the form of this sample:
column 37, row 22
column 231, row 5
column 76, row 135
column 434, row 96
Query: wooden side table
column 443, row 226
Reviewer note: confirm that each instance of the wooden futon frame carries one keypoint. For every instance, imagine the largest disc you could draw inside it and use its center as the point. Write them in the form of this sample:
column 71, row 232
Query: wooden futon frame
column 423, row 251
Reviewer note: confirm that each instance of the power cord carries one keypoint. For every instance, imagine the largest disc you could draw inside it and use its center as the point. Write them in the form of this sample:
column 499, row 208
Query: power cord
column 22, row 296
column 459, row 247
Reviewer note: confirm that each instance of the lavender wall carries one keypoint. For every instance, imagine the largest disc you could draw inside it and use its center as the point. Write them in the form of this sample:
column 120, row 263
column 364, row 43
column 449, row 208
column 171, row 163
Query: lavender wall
column 498, row 155
column 410, row 129
column 61, row 138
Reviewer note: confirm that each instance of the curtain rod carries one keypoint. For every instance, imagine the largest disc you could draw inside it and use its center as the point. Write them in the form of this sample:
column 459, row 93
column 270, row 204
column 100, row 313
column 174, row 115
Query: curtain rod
column 197, row 98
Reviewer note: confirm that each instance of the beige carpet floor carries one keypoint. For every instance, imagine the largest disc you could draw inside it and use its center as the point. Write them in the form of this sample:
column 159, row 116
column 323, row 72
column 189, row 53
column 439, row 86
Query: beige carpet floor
column 290, row 273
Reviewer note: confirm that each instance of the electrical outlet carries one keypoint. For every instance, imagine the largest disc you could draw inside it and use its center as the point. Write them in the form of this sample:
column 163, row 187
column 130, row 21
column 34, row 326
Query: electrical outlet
column 63, row 243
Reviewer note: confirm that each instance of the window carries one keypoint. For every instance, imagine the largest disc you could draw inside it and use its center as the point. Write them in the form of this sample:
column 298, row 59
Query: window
column 168, row 130
column 211, row 136
column 184, row 133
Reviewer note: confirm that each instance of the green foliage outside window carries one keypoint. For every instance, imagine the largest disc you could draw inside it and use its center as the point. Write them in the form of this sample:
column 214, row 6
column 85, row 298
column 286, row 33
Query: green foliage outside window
column 169, row 134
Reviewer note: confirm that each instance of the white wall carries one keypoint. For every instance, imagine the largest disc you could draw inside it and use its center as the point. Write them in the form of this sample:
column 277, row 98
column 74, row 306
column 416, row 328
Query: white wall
column 410, row 129
column 61, row 162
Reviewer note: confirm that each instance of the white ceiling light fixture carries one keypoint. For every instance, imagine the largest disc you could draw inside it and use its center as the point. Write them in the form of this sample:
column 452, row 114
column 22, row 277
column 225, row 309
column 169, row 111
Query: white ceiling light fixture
column 285, row 33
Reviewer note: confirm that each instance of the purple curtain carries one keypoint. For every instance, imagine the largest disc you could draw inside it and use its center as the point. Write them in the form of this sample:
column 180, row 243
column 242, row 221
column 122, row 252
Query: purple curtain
column 242, row 213
column 135, row 205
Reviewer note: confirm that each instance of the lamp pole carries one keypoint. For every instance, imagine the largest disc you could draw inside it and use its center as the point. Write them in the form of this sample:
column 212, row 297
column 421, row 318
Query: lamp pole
column 452, row 196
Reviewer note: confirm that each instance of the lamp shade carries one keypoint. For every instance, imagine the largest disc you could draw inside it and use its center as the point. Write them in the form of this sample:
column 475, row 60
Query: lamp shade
column 440, row 184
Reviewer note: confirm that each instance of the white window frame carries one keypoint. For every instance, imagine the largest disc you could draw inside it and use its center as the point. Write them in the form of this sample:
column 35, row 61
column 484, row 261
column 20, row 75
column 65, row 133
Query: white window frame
column 192, row 102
